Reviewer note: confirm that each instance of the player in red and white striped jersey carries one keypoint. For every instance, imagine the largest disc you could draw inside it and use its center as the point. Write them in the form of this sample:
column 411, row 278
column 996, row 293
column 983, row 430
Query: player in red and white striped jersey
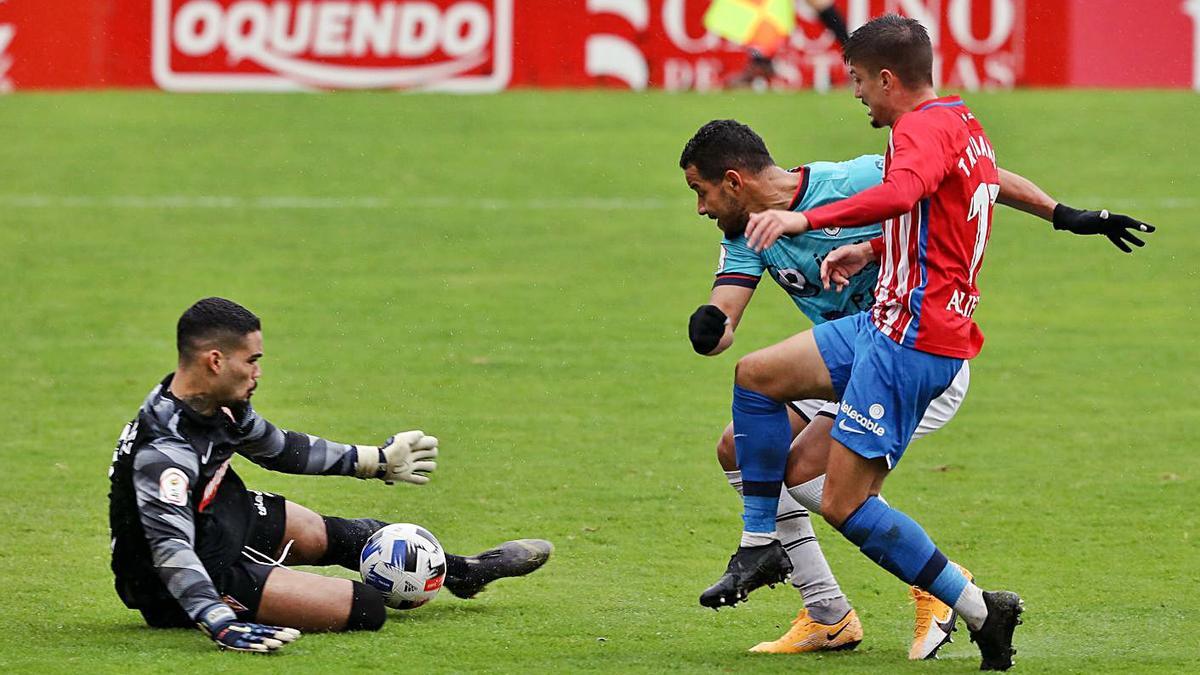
column 885, row 366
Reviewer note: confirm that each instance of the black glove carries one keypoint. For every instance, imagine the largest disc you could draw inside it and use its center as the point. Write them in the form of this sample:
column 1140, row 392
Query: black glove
column 1112, row 225
column 706, row 328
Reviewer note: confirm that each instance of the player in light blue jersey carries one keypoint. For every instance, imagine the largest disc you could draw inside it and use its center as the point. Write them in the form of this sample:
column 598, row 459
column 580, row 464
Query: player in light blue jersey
column 733, row 175
column 795, row 262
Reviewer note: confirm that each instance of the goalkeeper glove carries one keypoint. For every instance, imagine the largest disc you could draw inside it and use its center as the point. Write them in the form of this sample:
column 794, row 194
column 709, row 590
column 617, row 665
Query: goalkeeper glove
column 407, row 456
column 221, row 624
column 706, row 328
column 1112, row 225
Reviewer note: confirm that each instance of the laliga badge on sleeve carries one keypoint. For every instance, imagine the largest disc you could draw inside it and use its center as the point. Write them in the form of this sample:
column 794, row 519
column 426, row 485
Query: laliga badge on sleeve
column 173, row 487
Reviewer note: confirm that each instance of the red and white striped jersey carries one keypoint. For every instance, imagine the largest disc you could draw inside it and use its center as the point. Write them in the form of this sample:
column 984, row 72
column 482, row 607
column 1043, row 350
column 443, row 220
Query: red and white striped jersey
column 940, row 176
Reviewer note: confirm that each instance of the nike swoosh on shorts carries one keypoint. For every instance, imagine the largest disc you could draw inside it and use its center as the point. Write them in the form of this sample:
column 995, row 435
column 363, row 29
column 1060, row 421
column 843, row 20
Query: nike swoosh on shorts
column 843, row 427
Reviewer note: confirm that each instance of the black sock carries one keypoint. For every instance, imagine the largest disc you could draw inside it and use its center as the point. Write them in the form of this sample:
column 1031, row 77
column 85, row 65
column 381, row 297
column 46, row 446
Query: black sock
column 345, row 539
column 832, row 18
column 456, row 566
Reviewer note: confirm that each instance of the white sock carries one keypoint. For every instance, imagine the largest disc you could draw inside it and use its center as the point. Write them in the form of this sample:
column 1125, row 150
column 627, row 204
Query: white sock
column 735, row 480
column 809, row 494
column 758, row 538
column 970, row 606
column 810, row 571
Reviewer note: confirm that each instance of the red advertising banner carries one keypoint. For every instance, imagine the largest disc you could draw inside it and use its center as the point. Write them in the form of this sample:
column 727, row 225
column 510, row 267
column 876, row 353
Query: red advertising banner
column 492, row 45
column 259, row 45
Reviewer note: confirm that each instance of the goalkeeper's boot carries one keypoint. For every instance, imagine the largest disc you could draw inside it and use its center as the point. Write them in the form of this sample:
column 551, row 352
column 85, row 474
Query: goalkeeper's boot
column 935, row 622
column 510, row 559
column 994, row 637
column 750, row 567
column 807, row 635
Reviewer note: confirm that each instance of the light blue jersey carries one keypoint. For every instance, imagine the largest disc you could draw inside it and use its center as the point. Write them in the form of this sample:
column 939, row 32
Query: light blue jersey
column 795, row 262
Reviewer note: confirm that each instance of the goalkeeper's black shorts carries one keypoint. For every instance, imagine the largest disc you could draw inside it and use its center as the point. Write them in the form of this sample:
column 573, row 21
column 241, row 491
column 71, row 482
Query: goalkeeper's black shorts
column 259, row 522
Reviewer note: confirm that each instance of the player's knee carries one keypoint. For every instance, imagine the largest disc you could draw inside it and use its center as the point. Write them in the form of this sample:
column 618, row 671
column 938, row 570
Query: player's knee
column 753, row 372
column 836, row 510
column 726, row 451
column 367, row 611
column 306, row 529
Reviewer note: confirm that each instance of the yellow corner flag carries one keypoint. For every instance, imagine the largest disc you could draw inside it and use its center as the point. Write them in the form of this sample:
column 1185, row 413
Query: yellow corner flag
column 762, row 24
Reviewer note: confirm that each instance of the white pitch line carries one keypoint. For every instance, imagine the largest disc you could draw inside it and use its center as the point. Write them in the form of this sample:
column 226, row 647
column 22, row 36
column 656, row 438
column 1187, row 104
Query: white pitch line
column 284, row 202
column 302, row 202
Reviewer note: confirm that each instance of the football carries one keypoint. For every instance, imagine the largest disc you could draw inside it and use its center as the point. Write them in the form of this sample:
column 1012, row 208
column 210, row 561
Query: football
column 406, row 563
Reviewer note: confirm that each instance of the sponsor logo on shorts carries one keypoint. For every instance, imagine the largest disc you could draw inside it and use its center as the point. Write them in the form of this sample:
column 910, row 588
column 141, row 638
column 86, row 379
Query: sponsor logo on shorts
column 258, row 503
column 173, row 487
column 876, row 411
column 869, row 424
column 843, row 427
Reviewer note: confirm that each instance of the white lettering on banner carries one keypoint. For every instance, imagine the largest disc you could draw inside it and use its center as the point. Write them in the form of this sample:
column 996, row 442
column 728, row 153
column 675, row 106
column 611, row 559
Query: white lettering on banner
column 635, row 12
column 1192, row 9
column 607, row 55
column 674, row 15
column 697, row 74
column 418, row 34
column 999, row 69
column 289, row 40
column 612, row 56
column 197, row 28
column 330, row 39
column 293, row 43
column 1003, row 23
column 927, row 12
column 985, row 61
column 7, row 32
column 466, row 29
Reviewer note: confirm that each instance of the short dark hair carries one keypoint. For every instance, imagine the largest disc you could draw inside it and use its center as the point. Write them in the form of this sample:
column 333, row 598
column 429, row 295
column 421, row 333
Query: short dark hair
column 894, row 42
column 213, row 319
column 721, row 145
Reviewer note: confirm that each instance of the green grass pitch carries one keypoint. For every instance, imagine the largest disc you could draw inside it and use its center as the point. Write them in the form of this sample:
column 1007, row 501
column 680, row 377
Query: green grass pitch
column 514, row 274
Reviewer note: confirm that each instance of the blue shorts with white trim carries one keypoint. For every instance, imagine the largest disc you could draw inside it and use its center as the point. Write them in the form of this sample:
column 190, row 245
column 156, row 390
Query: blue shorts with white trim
column 884, row 388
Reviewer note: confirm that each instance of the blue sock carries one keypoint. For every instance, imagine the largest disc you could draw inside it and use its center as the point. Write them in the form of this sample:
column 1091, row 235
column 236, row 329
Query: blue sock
column 762, row 437
column 899, row 545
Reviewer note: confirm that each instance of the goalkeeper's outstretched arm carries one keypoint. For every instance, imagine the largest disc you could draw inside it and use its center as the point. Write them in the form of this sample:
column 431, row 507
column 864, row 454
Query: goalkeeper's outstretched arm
column 409, row 456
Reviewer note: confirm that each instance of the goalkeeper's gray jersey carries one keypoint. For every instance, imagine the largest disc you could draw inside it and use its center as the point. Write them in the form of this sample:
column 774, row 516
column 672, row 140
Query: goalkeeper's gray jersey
column 168, row 467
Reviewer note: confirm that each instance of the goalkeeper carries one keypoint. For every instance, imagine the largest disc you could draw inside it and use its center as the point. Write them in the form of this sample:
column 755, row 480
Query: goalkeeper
column 191, row 545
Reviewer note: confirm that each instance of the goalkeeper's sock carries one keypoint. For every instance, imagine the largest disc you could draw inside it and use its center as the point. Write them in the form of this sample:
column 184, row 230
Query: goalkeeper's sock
column 345, row 539
column 762, row 437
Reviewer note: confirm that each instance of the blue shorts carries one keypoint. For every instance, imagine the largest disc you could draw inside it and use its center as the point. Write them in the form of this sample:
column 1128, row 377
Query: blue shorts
column 884, row 388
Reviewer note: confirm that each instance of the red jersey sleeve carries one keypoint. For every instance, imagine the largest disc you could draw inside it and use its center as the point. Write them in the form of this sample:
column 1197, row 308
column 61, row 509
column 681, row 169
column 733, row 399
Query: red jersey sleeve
column 922, row 149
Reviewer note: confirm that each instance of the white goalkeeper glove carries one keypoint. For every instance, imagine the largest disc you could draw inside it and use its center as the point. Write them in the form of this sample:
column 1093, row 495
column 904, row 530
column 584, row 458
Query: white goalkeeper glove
column 408, row 456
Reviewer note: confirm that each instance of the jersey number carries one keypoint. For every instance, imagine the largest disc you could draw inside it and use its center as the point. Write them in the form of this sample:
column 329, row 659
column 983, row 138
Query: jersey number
column 124, row 444
column 981, row 207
